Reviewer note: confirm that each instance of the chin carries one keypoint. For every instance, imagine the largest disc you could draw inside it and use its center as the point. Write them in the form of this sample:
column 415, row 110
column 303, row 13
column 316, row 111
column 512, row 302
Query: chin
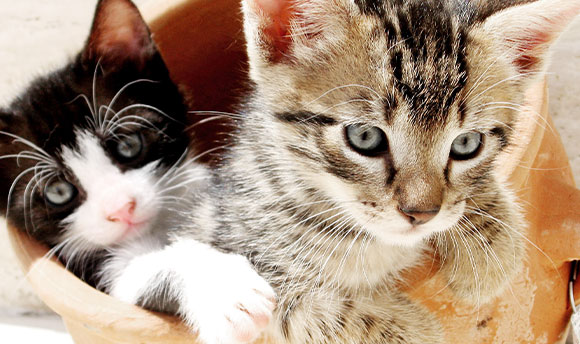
column 409, row 238
column 403, row 235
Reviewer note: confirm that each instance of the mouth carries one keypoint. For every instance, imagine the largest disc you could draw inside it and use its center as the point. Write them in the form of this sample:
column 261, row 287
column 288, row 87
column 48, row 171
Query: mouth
column 132, row 229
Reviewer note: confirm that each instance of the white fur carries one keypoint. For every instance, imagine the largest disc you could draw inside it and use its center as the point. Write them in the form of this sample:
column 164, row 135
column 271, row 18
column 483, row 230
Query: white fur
column 108, row 189
column 219, row 294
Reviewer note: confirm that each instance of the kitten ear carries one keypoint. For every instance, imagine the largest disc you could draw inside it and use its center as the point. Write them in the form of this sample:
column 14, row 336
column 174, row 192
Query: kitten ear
column 119, row 34
column 268, row 25
column 527, row 31
column 277, row 29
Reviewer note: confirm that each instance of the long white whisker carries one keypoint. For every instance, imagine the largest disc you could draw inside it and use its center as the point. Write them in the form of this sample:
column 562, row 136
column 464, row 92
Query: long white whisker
column 116, row 96
column 343, row 87
column 20, row 139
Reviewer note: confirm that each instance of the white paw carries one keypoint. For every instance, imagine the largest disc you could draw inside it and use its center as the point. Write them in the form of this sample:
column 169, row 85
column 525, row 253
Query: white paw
column 230, row 303
column 136, row 278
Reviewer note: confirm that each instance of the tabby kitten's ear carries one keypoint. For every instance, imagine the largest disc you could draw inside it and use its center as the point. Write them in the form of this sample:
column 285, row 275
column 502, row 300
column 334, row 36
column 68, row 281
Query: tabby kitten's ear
column 118, row 35
column 285, row 30
column 527, row 32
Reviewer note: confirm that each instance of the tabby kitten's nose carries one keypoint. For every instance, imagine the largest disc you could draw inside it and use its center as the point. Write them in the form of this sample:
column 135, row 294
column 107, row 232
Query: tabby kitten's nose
column 419, row 216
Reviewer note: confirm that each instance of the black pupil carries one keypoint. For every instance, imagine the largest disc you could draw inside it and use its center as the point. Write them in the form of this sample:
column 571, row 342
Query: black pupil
column 365, row 136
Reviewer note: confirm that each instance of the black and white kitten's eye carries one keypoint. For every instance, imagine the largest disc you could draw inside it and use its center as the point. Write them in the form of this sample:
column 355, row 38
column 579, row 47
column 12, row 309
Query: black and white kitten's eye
column 466, row 146
column 59, row 192
column 129, row 147
column 369, row 141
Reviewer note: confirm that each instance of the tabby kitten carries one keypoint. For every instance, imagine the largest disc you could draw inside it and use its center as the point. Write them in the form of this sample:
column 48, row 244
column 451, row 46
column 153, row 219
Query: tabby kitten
column 93, row 163
column 373, row 133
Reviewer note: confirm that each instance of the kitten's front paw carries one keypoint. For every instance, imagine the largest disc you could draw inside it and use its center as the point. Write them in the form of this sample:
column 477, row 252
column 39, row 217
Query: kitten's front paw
column 232, row 304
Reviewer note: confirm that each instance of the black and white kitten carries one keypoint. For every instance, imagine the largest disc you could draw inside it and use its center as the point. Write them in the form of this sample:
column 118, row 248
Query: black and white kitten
column 93, row 164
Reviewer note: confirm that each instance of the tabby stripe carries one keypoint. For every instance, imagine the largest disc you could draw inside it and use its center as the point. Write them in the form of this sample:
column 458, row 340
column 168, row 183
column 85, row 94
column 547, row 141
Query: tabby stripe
column 371, row 7
column 390, row 104
column 392, row 173
column 391, row 32
column 502, row 135
column 406, row 33
column 397, row 65
column 305, row 117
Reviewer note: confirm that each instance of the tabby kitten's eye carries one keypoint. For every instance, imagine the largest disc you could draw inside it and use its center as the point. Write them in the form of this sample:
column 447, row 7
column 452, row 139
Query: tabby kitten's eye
column 129, row 147
column 59, row 192
column 369, row 141
column 466, row 146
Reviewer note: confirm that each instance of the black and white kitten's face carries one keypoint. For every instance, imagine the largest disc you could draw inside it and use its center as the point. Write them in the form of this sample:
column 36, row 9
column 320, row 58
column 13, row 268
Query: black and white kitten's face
column 85, row 149
column 396, row 110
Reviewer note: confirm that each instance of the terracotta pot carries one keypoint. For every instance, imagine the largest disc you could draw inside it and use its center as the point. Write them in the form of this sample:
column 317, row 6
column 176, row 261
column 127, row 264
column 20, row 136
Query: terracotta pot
column 203, row 44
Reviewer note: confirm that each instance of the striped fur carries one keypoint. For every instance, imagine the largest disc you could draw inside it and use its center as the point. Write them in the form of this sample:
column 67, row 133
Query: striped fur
column 318, row 220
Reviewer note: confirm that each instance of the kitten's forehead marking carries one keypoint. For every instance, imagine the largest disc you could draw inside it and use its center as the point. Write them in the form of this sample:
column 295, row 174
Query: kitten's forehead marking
column 426, row 56
column 88, row 159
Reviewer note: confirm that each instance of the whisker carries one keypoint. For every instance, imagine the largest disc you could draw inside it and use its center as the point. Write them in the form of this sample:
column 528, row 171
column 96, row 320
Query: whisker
column 137, row 106
column 94, row 109
column 19, row 139
column 485, row 214
column 118, row 94
column 220, row 113
column 13, row 186
column 341, row 88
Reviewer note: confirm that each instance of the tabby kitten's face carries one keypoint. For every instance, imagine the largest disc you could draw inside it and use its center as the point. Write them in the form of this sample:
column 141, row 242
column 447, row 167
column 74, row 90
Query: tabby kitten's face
column 85, row 150
column 396, row 110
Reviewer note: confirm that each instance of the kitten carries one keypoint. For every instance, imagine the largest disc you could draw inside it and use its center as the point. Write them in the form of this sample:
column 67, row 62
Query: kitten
column 371, row 136
column 93, row 163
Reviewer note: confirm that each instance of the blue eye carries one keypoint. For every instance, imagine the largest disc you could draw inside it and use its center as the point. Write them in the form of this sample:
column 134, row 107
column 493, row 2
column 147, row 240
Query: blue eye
column 466, row 146
column 129, row 147
column 368, row 141
column 59, row 193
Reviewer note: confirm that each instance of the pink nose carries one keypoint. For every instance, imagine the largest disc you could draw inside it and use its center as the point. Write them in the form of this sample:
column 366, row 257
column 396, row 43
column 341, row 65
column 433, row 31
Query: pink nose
column 124, row 214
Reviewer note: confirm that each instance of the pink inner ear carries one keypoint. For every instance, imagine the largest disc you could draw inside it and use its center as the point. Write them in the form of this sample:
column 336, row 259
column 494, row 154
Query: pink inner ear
column 275, row 16
column 272, row 8
column 531, row 29
column 531, row 49
column 118, row 31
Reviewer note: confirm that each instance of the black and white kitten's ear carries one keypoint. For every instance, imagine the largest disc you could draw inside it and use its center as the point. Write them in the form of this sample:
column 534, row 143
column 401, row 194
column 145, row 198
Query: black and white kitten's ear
column 527, row 32
column 118, row 35
column 285, row 30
